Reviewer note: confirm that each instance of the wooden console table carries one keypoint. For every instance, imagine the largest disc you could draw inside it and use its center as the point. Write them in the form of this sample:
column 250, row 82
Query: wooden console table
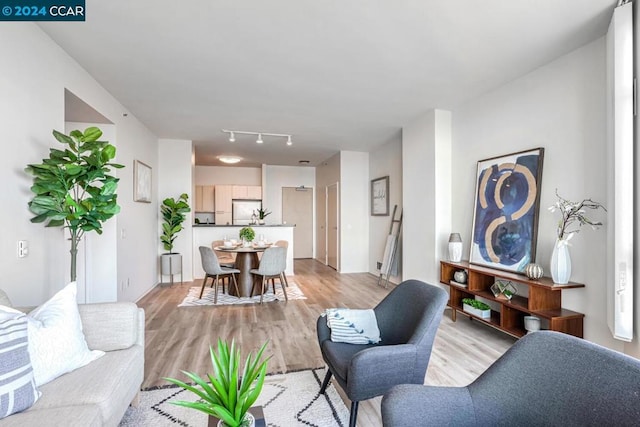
column 544, row 301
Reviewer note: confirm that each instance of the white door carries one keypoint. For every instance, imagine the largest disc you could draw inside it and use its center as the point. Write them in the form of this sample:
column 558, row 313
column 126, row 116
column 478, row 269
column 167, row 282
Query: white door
column 333, row 224
column 297, row 208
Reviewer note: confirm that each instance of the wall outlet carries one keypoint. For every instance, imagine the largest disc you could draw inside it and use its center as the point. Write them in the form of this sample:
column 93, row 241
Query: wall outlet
column 23, row 248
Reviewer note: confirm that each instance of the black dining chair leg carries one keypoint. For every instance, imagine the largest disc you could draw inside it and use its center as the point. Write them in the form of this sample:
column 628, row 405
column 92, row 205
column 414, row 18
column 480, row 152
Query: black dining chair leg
column 354, row 414
column 325, row 383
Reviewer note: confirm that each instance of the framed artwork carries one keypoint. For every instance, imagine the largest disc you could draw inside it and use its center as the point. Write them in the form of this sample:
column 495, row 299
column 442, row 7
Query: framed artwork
column 141, row 182
column 380, row 196
column 506, row 210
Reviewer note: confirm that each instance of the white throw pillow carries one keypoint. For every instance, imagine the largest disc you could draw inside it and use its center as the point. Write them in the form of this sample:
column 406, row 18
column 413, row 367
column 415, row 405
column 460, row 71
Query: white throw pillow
column 56, row 341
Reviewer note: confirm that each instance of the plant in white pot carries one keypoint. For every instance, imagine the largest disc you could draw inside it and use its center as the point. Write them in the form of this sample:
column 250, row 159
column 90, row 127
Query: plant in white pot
column 227, row 395
column 73, row 187
column 262, row 214
column 173, row 215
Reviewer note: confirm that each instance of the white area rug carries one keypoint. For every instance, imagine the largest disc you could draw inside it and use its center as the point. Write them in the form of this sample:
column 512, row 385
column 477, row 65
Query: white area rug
column 291, row 399
column 192, row 300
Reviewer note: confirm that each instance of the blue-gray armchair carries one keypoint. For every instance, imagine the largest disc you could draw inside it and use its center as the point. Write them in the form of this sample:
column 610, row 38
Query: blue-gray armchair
column 546, row 378
column 408, row 318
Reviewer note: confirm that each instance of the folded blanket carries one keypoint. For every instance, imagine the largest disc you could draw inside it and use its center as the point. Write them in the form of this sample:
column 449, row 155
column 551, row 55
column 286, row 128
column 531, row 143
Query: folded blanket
column 353, row 326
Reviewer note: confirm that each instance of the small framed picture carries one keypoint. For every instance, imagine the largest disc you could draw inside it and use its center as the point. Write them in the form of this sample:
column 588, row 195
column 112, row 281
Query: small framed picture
column 141, row 182
column 380, row 196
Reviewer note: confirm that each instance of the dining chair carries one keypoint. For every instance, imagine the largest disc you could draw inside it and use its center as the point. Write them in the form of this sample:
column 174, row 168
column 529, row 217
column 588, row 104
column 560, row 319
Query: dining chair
column 212, row 269
column 272, row 265
column 226, row 259
column 282, row 244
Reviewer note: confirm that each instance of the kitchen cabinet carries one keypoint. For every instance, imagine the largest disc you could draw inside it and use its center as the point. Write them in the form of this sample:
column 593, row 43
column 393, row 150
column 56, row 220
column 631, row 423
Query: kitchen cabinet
column 204, row 198
column 250, row 192
column 223, row 198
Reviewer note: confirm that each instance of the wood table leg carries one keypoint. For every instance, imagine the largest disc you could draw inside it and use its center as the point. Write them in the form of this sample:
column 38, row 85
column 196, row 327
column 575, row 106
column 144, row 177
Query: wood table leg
column 245, row 261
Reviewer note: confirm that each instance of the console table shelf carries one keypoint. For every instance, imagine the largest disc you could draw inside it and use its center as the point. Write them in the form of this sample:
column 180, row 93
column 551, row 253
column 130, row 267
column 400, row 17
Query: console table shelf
column 544, row 301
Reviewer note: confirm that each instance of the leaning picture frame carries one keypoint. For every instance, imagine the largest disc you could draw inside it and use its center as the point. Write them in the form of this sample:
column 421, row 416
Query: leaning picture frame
column 380, row 196
column 506, row 210
column 141, row 182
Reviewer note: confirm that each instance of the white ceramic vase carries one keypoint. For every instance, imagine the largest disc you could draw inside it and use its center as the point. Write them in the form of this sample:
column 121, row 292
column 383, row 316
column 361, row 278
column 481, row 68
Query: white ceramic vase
column 561, row 262
column 455, row 247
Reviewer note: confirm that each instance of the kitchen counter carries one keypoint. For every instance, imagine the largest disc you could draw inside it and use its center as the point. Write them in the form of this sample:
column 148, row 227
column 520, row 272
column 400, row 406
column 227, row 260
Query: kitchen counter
column 204, row 234
column 240, row 226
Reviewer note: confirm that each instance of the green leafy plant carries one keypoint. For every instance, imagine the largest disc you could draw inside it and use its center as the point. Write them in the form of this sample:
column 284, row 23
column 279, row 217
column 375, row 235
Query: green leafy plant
column 173, row 214
column 73, row 187
column 247, row 234
column 227, row 395
column 476, row 304
column 262, row 213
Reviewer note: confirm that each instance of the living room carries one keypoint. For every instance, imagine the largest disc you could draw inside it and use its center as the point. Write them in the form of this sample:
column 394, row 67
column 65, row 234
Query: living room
column 430, row 158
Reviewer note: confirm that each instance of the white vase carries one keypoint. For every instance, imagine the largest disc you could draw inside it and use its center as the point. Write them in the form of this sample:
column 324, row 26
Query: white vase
column 561, row 262
column 249, row 421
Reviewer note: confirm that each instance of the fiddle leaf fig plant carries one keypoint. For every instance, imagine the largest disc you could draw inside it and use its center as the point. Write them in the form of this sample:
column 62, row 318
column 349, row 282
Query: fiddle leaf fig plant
column 173, row 214
column 73, row 187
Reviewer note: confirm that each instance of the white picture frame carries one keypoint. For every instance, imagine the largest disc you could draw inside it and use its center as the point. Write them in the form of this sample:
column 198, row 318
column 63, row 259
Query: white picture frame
column 141, row 182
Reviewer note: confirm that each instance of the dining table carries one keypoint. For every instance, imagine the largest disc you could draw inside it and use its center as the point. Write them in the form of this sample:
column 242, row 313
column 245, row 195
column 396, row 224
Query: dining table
column 246, row 260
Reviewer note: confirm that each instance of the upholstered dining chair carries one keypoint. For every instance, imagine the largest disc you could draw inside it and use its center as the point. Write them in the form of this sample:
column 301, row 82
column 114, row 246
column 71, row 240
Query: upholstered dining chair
column 272, row 265
column 226, row 259
column 408, row 318
column 212, row 269
column 282, row 244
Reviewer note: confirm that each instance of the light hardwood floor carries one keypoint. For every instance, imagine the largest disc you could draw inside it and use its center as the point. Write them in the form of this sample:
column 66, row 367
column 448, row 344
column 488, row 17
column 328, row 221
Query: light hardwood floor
column 178, row 338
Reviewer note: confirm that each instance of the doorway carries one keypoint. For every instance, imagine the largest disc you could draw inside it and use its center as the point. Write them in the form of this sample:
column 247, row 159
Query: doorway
column 297, row 208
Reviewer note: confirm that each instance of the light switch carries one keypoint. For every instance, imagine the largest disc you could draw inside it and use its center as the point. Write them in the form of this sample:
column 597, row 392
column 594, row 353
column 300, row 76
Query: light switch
column 23, row 248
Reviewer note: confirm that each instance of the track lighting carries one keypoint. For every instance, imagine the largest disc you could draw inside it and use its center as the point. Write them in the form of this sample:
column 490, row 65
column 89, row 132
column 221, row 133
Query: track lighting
column 232, row 135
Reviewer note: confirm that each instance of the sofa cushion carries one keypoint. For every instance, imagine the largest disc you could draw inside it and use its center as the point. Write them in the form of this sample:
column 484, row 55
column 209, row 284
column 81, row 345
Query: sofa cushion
column 4, row 299
column 67, row 416
column 56, row 341
column 110, row 383
column 17, row 386
column 107, row 326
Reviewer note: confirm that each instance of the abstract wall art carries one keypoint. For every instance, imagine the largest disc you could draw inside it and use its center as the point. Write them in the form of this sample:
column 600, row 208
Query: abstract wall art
column 506, row 210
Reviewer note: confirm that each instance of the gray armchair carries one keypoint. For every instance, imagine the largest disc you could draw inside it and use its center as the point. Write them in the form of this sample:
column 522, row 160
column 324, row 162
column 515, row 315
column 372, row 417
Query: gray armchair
column 408, row 319
column 546, row 378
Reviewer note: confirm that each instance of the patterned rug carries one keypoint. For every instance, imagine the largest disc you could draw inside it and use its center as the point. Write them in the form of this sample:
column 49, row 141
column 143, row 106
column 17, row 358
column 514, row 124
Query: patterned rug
column 291, row 399
column 192, row 300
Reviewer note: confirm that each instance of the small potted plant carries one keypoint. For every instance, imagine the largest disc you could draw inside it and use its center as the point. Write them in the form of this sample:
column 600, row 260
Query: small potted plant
column 173, row 214
column 262, row 214
column 247, row 235
column 229, row 393
column 477, row 308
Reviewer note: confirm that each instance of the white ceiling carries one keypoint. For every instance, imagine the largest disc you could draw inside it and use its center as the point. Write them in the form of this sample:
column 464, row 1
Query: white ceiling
column 337, row 74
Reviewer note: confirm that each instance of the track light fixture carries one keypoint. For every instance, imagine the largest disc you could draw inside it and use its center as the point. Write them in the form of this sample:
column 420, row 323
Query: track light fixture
column 259, row 140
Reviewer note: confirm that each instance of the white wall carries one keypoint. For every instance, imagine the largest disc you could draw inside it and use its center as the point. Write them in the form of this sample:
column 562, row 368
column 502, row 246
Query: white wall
column 385, row 161
column 354, row 212
column 174, row 159
column 427, row 194
column 227, row 175
column 31, row 106
column 560, row 107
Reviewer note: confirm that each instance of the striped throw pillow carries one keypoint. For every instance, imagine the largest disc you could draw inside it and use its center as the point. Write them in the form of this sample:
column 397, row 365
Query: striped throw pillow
column 17, row 386
column 353, row 326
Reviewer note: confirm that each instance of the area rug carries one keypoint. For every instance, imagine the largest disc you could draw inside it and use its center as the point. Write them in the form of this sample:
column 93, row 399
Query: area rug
column 291, row 399
column 192, row 300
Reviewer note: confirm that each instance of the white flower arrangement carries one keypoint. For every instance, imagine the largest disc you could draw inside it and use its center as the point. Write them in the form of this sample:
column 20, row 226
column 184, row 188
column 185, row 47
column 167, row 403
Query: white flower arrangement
column 573, row 212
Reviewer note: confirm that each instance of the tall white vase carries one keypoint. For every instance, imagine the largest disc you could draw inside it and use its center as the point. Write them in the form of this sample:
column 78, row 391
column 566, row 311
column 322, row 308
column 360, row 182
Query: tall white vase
column 455, row 247
column 561, row 262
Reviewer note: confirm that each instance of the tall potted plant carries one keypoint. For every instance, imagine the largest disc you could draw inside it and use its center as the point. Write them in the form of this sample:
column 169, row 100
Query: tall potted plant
column 227, row 395
column 173, row 215
column 73, row 187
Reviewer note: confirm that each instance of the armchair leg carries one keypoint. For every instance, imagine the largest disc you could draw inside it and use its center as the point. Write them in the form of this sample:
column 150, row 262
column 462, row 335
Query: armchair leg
column 354, row 414
column 325, row 383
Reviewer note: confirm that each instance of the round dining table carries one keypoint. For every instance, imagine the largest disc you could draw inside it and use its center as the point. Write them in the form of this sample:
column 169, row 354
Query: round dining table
column 246, row 259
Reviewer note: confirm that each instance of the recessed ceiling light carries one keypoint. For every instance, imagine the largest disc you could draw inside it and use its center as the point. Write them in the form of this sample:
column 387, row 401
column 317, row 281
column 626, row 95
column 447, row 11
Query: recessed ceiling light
column 229, row 159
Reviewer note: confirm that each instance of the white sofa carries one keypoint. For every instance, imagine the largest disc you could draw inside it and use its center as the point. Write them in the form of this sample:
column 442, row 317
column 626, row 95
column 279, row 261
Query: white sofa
column 99, row 393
